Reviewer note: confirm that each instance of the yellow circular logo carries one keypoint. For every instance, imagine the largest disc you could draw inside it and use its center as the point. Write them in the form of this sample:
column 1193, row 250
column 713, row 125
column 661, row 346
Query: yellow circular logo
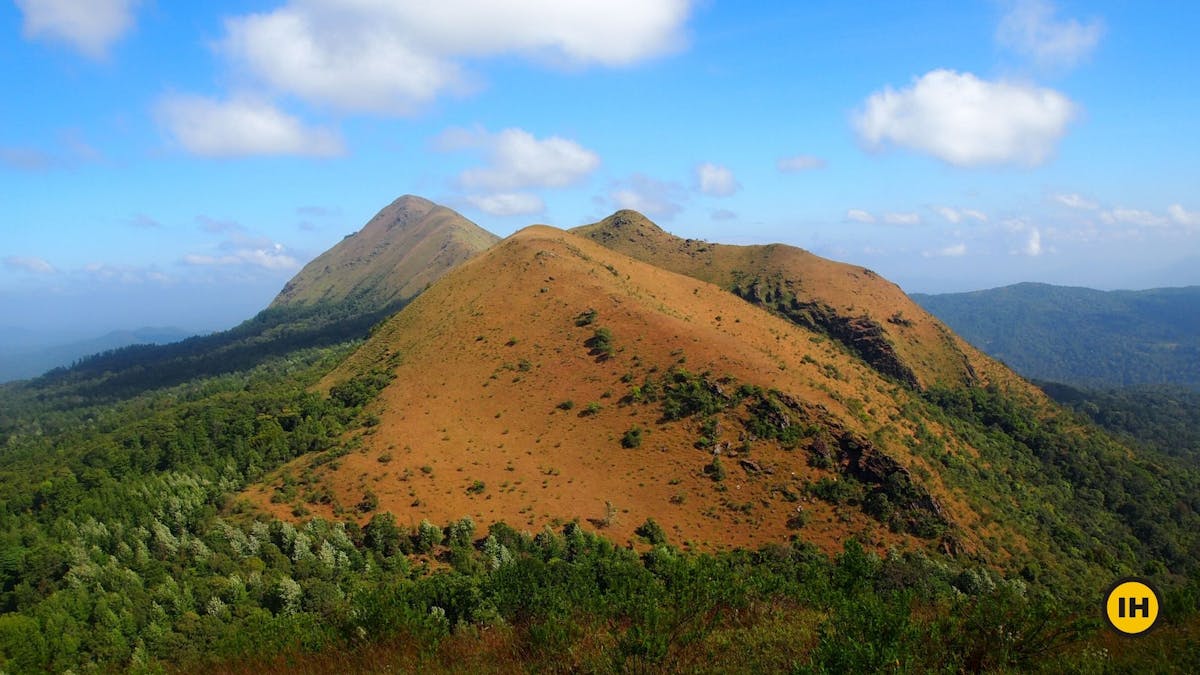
column 1131, row 606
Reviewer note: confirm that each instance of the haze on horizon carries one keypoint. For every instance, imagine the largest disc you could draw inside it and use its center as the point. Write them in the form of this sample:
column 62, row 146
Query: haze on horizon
column 175, row 164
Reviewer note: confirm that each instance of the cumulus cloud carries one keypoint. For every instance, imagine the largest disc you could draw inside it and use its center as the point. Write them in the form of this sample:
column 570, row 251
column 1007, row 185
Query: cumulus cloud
column 516, row 159
column 902, row 218
column 30, row 264
column 1076, row 201
column 1032, row 29
column 389, row 57
column 957, row 216
column 966, row 121
column 951, row 251
column 1138, row 217
column 859, row 216
column 508, row 203
column 90, row 26
column 652, row 197
column 1181, row 216
column 798, row 163
column 242, row 127
column 716, row 180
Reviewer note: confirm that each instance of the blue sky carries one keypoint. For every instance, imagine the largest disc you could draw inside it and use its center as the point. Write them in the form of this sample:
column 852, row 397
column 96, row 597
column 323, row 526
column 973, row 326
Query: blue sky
column 166, row 163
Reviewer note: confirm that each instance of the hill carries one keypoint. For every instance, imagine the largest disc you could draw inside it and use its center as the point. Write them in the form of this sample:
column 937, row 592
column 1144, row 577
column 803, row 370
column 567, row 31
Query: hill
column 337, row 297
column 852, row 305
column 552, row 379
column 29, row 360
column 406, row 247
column 1082, row 336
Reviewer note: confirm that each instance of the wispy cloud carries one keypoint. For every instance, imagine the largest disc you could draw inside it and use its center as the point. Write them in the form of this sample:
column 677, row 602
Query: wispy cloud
column 652, row 197
column 716, row 180
column 89, row 26
column 508, row 203
column 1076, row 201
column 952, row 251
column 31, row 264
column 956, row 216
column 798, row 163
column 1032, row 29
column 859, row 216
column 902, row 218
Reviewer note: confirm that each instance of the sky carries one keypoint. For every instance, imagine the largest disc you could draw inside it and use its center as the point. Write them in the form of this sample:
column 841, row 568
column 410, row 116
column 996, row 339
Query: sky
column 170, row 163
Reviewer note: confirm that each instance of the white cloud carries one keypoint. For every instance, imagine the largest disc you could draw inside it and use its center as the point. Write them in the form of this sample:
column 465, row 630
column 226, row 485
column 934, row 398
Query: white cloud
column 91, row 26
column 126, row 274
column 652, row 197
column 1033, row 245
column 723, row 214
column 799, row 163
column 390, row 56
column 716, row 180
column 508, row 203
column 242, row 127
column 902, row 218
column 217, row 225
column 1122, row 216
column 246, row 251
column 265, row 258
column 1030, row 28
column 1076, row 201
column 859, row 216
column 951, row 251
column 966, row 121
column 1181, row 216
column 28, row 264
column 516, row 159
column 957, row 216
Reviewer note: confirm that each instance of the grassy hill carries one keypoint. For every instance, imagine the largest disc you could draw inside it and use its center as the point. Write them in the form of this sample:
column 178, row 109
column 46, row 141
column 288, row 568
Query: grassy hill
column 552, row 379
column 1081, row 336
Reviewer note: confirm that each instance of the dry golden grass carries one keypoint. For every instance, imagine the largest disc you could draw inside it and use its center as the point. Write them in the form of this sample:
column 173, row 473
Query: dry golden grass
column 488, row 353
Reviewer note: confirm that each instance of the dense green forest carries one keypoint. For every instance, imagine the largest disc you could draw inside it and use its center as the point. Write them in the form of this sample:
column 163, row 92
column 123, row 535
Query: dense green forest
column 1080, row 336
column 1165, row 419
column 123, row 547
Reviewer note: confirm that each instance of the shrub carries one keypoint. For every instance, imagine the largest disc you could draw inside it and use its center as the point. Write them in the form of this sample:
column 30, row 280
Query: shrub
column 585, row 318
column 632, row 438
column 652, row 532
column 428, row 536
column 600, row 343
column 716, row 470
column 566, row 405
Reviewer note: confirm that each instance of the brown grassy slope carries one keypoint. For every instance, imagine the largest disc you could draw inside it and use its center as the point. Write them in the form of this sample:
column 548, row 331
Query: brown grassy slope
column 407, row 246
column 488, row 353
column 853, row 304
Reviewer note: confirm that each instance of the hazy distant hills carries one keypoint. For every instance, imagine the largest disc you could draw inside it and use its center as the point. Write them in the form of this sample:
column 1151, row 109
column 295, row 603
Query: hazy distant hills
column 21, row 357
column 1082, row 336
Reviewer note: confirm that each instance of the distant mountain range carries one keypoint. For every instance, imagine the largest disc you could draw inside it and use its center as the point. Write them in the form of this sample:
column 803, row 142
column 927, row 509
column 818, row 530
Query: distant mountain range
column 1082, row 336
column 21, row 356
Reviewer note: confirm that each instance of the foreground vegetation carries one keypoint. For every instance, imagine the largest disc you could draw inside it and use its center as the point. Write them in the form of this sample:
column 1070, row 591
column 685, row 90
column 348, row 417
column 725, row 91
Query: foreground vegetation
column 123, row 548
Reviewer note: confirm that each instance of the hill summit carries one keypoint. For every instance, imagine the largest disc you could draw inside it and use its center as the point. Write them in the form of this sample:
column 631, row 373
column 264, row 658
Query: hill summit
column 397, row 254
